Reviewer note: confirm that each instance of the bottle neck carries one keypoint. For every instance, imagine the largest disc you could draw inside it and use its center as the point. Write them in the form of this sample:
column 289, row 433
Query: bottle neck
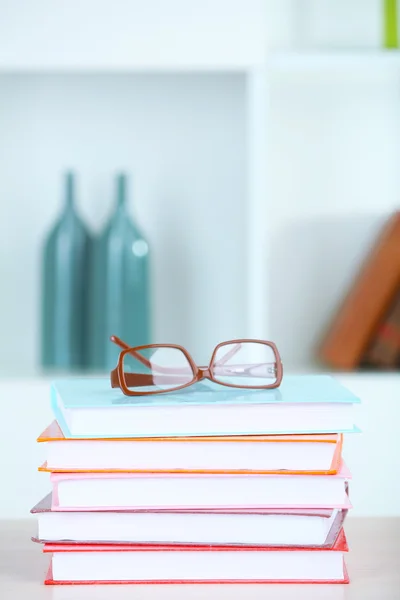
column 69, row 192
column 121, row 192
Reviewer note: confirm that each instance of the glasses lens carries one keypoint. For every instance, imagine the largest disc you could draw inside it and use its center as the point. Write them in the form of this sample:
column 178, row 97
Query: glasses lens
column 152, row 369
column 245, row 364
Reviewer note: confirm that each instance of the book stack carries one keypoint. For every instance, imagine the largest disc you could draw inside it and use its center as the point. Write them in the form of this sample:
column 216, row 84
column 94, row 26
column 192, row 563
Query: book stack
column 197, row 486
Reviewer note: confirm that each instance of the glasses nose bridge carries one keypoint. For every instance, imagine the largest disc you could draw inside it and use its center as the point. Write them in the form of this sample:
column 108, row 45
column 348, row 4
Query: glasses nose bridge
column 204, row 373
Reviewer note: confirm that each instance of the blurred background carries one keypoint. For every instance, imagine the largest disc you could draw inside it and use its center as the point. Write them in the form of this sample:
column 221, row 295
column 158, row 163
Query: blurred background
column 232, row 165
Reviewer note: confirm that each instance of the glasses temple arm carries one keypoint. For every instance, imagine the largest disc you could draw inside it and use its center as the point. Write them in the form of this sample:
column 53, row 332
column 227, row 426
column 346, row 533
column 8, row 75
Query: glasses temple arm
column 246, row 370
column 230, row 354
column 138, row 356
column 116, row 340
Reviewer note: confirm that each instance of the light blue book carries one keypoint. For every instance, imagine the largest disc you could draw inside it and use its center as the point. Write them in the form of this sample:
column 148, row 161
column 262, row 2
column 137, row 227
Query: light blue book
column 90, row 408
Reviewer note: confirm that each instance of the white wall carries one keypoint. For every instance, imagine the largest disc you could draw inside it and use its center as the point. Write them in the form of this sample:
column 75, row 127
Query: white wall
column 183, row 140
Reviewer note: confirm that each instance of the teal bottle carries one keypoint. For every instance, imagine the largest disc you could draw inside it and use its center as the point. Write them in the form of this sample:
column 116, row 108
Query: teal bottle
column 66, row 262
column 120, row 285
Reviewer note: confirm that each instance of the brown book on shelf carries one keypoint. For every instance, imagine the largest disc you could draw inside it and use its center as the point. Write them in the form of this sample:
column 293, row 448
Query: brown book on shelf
column 366, row 303
column 384, row 351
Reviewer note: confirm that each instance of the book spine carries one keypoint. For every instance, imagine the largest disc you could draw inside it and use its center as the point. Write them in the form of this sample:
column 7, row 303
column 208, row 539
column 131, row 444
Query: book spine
column 384, row 351
column 366, row 302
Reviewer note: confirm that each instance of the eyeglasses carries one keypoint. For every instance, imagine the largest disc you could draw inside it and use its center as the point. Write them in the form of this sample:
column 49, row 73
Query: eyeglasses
column 160, row 368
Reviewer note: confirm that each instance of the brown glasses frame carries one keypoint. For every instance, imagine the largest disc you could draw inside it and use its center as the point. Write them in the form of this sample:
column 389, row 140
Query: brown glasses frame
column 118, row 377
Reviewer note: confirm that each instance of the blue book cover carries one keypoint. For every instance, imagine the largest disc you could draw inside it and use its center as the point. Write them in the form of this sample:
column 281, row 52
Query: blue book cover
column 96, row 393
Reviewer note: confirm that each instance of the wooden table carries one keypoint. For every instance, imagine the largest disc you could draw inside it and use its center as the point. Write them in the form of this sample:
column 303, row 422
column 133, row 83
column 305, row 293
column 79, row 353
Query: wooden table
column 373, row 564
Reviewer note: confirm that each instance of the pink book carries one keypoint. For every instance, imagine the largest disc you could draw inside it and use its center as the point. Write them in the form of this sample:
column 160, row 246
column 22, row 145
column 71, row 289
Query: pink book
column 269, row 527
column 171, row 491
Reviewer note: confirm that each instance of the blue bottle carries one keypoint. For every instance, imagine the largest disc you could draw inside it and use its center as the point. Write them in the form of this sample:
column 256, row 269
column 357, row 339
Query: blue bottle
column 120, row 285
column 66, row 262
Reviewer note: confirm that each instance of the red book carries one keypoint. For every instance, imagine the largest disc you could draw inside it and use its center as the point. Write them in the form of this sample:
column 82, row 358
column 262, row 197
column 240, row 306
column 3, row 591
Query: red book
column 89, row 564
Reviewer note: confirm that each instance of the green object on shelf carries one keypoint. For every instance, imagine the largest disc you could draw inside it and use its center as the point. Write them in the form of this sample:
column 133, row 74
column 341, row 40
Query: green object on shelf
column 120, row 285
column 66, row 259
column 390, row 24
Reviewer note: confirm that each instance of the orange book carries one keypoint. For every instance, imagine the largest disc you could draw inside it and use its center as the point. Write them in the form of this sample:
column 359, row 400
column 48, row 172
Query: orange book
column 367, row 302
column 310, row 454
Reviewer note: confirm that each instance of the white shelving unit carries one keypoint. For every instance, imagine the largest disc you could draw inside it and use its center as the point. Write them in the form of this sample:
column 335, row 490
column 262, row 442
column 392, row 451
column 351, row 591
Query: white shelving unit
column 206, row 108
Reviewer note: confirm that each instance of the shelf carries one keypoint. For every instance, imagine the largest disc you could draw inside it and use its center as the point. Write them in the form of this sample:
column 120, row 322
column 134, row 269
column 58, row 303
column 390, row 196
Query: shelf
column 337, row 60
column 134, row 36
column 200, row 61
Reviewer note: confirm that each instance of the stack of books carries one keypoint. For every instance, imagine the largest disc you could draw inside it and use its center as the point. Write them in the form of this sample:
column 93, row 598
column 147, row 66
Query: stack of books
column 201, row 485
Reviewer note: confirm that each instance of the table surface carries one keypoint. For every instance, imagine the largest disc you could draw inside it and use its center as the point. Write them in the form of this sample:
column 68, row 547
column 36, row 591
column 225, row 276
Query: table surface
column 373, row 563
